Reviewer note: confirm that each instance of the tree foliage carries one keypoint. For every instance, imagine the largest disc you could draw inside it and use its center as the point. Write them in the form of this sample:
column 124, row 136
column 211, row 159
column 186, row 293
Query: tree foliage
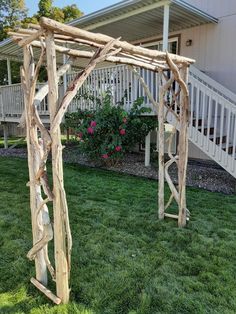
column 13, row 13
column 45, row 8
column 71, row 12
column 64, row 14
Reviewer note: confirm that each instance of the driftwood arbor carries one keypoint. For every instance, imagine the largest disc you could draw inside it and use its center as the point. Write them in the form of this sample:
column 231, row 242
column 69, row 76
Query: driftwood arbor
column 41, row 141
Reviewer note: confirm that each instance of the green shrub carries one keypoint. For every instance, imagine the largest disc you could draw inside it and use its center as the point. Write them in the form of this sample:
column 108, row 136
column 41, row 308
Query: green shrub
column 106, row 133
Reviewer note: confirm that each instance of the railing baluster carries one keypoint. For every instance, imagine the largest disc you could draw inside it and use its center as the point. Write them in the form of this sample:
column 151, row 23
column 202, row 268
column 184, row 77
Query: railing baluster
column 151, row 73
column 1, row 104
column 222, row 117
column 209, row 118
column 191, row 108
column 215, row 118
column 123, row 77
column 128, row 88
column 228, row 123
column 204, row 95
column 197, row 109
column 233, row 167
column 132, row 87
column 147, row 80
column 157, row 83
column 118, row 84
column 139, row 84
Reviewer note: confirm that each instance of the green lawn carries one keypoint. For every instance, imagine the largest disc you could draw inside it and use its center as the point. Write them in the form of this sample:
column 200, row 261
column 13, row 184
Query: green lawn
column 20, row 141
column 124, row 260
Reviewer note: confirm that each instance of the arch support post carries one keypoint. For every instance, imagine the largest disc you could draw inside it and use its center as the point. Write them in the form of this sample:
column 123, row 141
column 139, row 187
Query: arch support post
column 62, row 256
column 161, row 156
column 27, row 77
column 174, row 100
column 183, row 149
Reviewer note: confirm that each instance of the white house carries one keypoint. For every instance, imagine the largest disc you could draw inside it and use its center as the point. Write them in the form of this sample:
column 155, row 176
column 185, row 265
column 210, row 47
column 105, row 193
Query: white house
column 200, row 29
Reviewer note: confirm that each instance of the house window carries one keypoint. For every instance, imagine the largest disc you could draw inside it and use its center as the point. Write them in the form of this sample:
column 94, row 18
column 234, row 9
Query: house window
column 173, row 45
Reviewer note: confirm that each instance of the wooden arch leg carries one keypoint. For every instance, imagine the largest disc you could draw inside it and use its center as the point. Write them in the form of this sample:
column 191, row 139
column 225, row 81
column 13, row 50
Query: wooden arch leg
column 183, row 151
column 177, row 194
column 161, row 169
column 33, row 165
column 59, row 201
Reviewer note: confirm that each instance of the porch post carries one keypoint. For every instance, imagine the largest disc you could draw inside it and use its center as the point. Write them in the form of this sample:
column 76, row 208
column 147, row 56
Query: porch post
column 166, row 19
column 64, row 75
column 147, row 149
column 5, row 134
column 9, row 72
column 64, row 91
column 5, row 126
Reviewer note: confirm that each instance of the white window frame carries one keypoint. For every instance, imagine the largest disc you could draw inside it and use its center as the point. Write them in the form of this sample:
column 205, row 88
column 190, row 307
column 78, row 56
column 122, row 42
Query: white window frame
column 157, row 42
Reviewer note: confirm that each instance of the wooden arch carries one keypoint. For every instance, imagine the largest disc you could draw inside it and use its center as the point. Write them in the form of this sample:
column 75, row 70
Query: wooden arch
column 40, row 141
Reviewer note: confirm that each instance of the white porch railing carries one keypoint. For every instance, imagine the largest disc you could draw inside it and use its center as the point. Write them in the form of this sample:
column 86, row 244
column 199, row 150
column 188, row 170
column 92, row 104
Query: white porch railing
column 12, row 102
column 122, row 83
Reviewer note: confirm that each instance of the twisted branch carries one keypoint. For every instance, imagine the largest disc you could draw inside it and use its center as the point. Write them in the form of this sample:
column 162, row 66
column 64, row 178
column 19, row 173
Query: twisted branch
column 99, row 55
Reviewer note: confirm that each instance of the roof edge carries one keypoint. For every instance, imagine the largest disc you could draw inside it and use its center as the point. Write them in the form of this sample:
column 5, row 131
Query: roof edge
column 5, row 41
column 110, row 8
column 126, row 3
column 193, row 9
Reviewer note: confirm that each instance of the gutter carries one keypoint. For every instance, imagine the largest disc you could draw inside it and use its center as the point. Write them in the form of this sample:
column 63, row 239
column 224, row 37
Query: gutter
column 5, row 42
column 126, row 3
column 193, row 9
column 99, row 13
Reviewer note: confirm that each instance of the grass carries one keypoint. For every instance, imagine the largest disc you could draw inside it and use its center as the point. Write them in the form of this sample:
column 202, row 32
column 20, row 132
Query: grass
column 20, row 141
column 124, row 260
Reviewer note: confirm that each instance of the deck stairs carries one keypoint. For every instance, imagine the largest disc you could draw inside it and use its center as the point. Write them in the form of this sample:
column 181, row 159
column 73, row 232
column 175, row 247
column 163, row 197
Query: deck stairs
column 213, row 119
column 212, row 126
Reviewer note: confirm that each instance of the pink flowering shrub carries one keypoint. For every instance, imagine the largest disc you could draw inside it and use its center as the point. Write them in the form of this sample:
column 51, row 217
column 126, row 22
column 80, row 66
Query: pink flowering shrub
column 118, row 148
column 122, row 132
column 93, row 124
column 105, row 156
column 90, row 130
column 108, row 132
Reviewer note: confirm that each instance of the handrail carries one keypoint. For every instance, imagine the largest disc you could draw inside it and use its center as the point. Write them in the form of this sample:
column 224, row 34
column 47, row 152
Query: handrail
column 212, row 84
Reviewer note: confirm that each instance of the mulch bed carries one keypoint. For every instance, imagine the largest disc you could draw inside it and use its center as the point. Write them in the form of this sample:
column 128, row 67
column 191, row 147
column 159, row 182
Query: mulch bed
column 202, row 174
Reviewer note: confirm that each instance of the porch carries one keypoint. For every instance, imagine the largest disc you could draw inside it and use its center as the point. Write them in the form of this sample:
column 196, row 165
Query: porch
column 120, row 81
column 212, row 125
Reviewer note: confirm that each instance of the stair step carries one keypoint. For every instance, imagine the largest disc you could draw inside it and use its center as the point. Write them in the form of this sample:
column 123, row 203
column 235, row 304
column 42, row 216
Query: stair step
column 199, row 122
column 218, row 139
column 230, row 148
column 205, row 130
